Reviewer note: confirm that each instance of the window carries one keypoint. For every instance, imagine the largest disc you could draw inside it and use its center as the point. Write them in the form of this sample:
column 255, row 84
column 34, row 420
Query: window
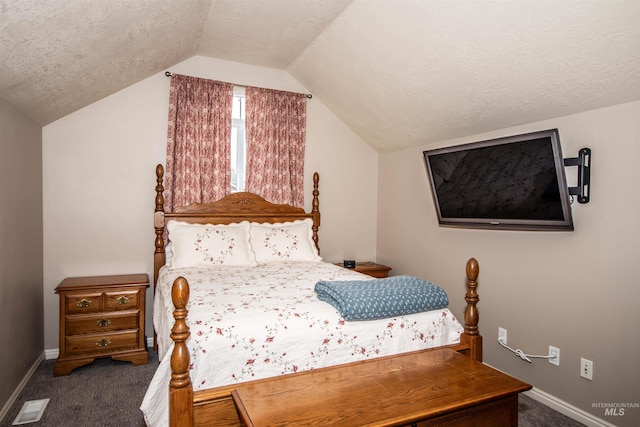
column 238, row 141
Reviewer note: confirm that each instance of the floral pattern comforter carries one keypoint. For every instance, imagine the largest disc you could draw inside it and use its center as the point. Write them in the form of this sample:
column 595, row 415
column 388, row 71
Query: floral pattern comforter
column 255, row 322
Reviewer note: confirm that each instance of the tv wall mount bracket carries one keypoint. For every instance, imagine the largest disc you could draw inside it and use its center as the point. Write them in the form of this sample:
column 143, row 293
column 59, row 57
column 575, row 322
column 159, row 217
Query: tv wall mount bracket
column 583, row 162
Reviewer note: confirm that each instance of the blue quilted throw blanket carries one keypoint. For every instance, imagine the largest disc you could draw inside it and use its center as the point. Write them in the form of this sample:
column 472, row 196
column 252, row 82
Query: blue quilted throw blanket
column 381, row 298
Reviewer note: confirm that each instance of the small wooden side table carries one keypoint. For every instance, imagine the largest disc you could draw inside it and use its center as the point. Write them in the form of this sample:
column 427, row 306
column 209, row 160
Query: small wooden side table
column 371, row 269
column 101, row 316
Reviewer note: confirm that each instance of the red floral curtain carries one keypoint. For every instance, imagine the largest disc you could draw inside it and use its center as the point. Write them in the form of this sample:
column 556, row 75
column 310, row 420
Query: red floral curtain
column 198, row 168
column 276, row 131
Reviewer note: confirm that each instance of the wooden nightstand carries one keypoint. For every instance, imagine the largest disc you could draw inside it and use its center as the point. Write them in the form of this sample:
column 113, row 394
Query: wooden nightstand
column 371, row 269
column 101, row 316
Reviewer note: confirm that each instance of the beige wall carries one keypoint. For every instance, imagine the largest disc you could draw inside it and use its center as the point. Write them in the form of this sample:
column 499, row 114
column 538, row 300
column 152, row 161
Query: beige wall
column 20, row 247
column 99, row 163
column 577, row 291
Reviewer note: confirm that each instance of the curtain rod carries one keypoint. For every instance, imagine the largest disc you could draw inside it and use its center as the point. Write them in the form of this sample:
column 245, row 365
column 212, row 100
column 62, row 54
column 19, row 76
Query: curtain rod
column 168, row 74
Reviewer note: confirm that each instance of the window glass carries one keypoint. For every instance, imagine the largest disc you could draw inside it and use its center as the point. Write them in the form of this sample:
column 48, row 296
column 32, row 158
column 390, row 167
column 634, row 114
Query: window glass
column 238, row 142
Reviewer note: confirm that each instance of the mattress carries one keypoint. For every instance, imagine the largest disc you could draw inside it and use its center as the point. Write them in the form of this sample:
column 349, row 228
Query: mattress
column 249, row 323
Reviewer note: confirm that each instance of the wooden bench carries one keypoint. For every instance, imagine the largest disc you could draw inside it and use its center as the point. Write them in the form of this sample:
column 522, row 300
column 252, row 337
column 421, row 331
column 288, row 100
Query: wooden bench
column 441, row 387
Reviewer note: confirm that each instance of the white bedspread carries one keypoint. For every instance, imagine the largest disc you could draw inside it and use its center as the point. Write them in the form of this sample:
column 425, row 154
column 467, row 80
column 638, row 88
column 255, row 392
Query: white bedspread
column 255, row 322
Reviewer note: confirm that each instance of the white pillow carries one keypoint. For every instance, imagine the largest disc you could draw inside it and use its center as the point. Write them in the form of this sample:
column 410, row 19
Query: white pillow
column 289, row 241
column 207, row 245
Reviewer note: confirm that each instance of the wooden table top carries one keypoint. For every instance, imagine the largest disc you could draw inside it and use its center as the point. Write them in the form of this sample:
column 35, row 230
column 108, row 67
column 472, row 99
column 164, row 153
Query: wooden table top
column 79, row 283
column 397, row 390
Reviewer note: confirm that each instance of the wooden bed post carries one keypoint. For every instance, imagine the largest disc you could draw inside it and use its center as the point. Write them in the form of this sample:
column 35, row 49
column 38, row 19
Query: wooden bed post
column 315, row 209
column 159, row 257
column 158, row 224
column 471, row 334
column 180, row 387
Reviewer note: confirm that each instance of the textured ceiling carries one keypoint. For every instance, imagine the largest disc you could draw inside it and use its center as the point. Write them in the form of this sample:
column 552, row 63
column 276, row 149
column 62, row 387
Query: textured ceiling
column 400, row 73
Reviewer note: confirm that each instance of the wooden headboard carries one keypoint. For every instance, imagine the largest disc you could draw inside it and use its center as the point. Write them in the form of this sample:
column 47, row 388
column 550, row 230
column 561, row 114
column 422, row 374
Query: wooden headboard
column 234, row 208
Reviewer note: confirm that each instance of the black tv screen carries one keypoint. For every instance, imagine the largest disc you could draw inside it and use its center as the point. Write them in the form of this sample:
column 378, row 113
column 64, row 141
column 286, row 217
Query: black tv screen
column 516, row 182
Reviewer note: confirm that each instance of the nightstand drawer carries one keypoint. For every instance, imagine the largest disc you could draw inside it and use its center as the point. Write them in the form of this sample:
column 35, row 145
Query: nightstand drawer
column 103, row 323
column 120, row 300
column 101, row 343
column 378, row 274
column 83, row 303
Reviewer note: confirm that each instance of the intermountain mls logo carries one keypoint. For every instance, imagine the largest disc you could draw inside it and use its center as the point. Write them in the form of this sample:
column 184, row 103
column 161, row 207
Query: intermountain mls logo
column 615, row 409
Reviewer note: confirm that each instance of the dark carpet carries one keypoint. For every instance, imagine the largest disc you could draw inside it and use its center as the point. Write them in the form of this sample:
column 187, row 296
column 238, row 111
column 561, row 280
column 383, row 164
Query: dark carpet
column 108, row 393
column 103, row 394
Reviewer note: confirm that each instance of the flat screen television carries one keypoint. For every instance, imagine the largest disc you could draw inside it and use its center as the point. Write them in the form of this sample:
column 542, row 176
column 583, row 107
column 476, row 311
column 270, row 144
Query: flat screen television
column 517, row 182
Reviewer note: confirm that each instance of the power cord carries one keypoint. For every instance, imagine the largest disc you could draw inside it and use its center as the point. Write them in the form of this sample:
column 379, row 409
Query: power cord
column 521, row 354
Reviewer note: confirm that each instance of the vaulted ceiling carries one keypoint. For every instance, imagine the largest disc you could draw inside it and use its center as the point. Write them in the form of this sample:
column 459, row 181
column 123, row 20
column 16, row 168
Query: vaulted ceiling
column 400, row 73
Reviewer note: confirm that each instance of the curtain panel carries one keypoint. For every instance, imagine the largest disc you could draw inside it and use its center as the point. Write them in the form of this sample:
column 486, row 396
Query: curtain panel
column 275, row 133
column 198, row 168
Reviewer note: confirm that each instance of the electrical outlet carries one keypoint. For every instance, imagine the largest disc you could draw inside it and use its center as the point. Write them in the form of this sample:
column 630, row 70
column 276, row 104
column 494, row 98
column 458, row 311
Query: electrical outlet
column 554, row 355
column 586, row 369
column 502, row 335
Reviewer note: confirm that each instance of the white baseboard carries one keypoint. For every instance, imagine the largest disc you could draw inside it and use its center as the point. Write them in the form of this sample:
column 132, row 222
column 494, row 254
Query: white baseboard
column 563, row 407
column 18, row 390
column 567, row 409
column 54, row 352
column 51, row 353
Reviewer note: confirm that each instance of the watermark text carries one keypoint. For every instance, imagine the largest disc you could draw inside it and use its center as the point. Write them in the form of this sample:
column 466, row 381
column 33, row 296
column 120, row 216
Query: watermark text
column 615, row 409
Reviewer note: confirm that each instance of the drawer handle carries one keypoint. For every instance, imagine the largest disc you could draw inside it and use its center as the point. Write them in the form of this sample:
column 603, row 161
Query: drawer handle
column 84, row 303
column 103, row 322
column 103, row 343
column 122, row 300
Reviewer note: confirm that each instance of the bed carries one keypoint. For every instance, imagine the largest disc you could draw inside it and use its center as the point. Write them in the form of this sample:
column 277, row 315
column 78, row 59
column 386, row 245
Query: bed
column 206, row 349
